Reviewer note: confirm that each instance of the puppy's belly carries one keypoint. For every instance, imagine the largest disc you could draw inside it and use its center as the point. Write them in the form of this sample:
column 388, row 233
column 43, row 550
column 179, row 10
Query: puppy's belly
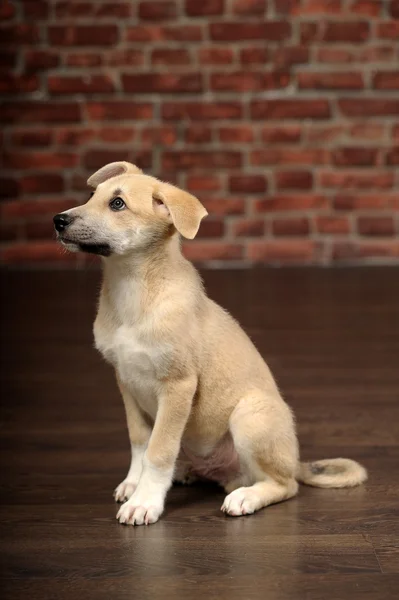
column 221, row 464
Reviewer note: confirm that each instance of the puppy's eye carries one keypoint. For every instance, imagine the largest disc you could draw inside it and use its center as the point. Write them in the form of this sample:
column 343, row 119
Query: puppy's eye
column 117, row 204
column 91, row 194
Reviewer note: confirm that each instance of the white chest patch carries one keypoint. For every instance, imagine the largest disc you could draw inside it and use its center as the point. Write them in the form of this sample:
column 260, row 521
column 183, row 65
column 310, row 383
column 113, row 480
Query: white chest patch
column 139, row 364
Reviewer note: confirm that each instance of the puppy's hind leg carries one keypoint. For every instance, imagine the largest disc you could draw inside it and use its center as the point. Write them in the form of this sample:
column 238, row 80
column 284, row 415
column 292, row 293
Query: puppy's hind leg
column 264, row 436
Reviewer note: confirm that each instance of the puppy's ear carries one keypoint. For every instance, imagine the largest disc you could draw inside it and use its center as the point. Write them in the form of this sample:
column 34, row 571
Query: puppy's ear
column 112, row 170
column 180, row 208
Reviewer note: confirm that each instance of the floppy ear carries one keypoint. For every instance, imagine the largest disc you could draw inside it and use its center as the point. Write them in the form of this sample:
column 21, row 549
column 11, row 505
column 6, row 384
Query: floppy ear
column 112, row 170
column 183, row 210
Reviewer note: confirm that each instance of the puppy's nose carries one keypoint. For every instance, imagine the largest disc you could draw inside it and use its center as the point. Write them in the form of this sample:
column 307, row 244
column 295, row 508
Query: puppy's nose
column 61, row 221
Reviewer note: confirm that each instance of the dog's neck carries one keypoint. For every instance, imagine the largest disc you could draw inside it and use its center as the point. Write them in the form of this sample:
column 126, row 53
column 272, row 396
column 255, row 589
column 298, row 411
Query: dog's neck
column 134, row 284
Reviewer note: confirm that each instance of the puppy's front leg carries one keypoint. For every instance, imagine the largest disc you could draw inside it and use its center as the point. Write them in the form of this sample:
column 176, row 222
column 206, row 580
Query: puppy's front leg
column 146, row 504
column 139, row 434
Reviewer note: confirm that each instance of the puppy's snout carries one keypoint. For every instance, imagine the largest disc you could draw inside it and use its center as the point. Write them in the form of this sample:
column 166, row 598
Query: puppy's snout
column 61, row 221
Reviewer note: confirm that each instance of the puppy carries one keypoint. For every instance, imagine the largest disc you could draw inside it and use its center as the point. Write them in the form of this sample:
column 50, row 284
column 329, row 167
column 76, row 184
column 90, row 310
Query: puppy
column 199, row 399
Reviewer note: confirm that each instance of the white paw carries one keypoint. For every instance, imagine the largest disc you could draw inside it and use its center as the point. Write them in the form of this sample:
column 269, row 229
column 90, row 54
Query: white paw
column 138, row 511
column 125, row 490
column 242, row 501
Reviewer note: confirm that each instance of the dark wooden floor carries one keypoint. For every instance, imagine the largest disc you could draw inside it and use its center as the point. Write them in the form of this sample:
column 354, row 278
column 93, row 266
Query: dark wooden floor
column 332, row 340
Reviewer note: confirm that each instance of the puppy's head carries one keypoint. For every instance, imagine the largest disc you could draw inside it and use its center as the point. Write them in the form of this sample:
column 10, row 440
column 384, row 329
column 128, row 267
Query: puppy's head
column 127, row 211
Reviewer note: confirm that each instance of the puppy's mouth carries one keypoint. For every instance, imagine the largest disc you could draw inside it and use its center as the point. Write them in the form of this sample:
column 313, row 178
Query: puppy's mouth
column 74, row 246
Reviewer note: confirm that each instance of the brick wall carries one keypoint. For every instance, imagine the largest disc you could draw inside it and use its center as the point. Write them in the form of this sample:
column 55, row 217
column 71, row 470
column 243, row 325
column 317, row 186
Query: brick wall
column 282, row 116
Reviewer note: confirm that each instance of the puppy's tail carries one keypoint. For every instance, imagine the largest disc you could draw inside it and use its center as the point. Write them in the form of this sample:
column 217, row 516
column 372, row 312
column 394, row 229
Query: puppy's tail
column 332, row 473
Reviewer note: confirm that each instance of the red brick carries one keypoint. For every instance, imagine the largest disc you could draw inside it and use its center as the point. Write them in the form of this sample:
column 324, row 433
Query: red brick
column 97, row 158
column 211, row 228
column 41, row 184
column 246, row 30
column 125, row 58
column 18, row 209
column 326, row 133
column 375, row 54
column 288, row 156
column 364, row 202
column 119, row 109
column 8, row 59
column 236, row 135
column 348, row 157
column 287, row 251
column 164, row 135
column 254, row 55
column 215, row 56
column 29, row 137
column 286, row 227
column 316, row 7
column 291, row 202
column 162, row 83
column 36, row 112
column 294, row 180
column 84, row 59
column 287, row 7
column 395, row 133
column 290, row 55
column 247, row 184
column 344, row 251
column 282, row 134
column 87, row 84
column 249, row 7
column 393, row 156
column 43, row 252
column 18, row 34
column 336, row 31
column 394, row 8
column 198, row 134
column 204, row 8
column 376, row 226
column 18, row 84
column 9, row 232
column 249, row 228
column 156, row 33
column 330, row 81
column 9, row 188
column 388, row 30
column 201, row 110
column 356, row 179
column 367, row 8
column 203, row 183
column 115, row 135
column 73, row 137
column 157, row 11
column 332, row 224
column 93, row 9
column 290, row 109
column 83, row 35
column 224, row 206
column 40, row 160
column 206, row 251
column 369, row 107
column 367, row 131
column 39, row 230
column 39, row 60
column 334, row 55
column 244, row 81
column 388, row 80
column 165, row 56
column 36, row 9
column 207, row 160
column 7, row 10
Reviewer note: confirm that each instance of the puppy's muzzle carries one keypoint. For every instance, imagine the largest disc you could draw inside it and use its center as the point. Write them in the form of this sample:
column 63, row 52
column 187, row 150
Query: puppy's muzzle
column 62, row 221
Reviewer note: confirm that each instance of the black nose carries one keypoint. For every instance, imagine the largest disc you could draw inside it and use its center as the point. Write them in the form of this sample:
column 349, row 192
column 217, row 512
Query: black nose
column 62, row 221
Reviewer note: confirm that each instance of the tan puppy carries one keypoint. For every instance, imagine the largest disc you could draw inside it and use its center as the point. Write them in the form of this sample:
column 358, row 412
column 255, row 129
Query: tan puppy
column 199, row 399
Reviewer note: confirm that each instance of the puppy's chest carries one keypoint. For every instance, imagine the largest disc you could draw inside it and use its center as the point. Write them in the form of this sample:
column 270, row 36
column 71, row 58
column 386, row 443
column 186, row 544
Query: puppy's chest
column 140, row 364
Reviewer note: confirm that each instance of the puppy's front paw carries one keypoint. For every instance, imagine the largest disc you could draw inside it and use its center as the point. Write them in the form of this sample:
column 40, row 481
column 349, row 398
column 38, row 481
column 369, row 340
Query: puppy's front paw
column 140, row 511
column 125, row 490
